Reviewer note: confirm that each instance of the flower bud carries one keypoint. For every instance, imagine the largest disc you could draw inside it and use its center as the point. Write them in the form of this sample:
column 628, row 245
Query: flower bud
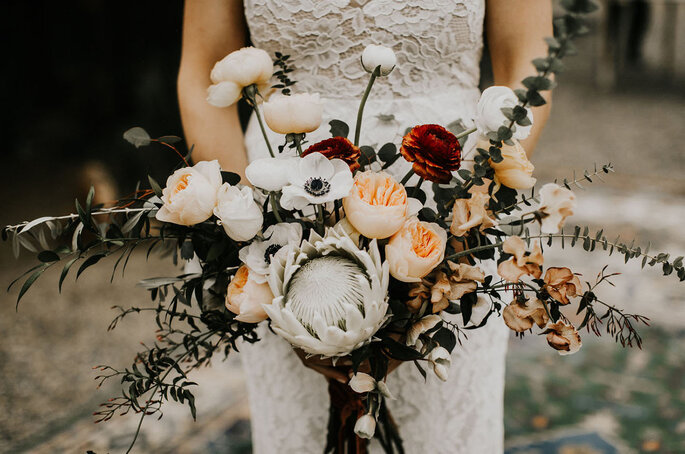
column 294, row 114
column 365, row 426
column 489, row 115
column 375, row 56
column 362, row 383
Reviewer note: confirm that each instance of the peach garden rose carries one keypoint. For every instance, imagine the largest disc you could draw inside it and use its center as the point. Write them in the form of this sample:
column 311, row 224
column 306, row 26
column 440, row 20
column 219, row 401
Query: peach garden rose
column 244, row 297
column 415, row 250
column 377, row 205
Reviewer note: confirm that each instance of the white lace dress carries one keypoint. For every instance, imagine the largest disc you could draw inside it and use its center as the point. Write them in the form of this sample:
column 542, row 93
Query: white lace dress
column 438, row 45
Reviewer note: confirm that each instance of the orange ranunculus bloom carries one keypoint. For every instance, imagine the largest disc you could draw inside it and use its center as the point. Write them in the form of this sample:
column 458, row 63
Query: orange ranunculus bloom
column 337, row 148
column 434, row 151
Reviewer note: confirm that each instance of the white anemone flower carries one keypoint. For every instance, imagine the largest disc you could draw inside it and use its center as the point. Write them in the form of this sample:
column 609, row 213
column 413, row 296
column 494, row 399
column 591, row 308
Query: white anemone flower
column 258, row 254
column 316, row 180
column 330, row 297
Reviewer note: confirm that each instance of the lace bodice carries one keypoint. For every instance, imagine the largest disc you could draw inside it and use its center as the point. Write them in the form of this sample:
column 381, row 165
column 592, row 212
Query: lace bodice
column 438, row 43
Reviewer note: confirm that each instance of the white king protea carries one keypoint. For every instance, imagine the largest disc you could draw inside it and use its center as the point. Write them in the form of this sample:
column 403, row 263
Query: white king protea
column 330, row 297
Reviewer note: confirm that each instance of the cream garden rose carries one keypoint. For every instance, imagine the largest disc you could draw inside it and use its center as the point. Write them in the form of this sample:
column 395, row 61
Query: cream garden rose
column 294, row 114
column 375, row 56
column 245, row 297
column 415, row 250
column 239, row 69
column 190, row 194
column 489, row 115
column 240, row 216
column 515, row 170
column 377, row 205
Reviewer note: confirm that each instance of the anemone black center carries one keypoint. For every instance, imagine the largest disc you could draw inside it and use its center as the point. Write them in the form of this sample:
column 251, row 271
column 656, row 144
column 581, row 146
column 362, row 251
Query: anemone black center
column 317, row 186
column 270, row 251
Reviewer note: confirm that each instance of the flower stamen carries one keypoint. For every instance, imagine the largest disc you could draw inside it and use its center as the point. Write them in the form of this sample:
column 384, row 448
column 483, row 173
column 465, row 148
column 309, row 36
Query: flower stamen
column 317, row 186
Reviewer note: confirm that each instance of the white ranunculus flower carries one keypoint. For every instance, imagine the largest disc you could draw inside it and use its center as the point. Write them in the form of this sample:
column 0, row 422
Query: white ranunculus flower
column 190, row 194
column 294, row 114
column 258, row 254
column 330, row 296
column 365, row 426
column 236, row 71
column 240, row 216
column 270, row 174
column 556, row 204
column 375, row 56
column 362, row 383
column 441, row 360
column 489, row 116
column 316, row 180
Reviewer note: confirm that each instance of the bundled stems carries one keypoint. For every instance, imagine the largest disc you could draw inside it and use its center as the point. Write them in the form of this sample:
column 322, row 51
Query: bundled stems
column 357, row 131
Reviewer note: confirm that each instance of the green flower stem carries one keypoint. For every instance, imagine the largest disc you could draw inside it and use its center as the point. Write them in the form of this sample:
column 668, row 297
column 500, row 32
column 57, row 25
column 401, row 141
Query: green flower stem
column 275, row 207
column 406, row 178
column 297, row 138
column 416, row 188
column 321, row 229
column 250, row 94
column 357, row 131
column 466, row 133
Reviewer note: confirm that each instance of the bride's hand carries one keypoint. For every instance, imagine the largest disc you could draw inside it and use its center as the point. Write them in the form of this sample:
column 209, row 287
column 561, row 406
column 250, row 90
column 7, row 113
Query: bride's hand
column 342, row 370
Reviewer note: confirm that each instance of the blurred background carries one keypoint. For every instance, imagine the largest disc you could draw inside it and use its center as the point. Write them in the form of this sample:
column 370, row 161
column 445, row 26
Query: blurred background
column 76, row 77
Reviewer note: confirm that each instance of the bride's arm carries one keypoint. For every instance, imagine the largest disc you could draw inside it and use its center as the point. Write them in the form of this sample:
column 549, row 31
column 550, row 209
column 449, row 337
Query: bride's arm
column 211, row 30
column 515, row 31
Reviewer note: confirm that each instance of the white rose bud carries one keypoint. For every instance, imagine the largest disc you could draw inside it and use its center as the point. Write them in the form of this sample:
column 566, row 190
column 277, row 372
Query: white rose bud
column 489, row 115
column 236, row 71
column 365, row 426
column 294, row 114
column 441, row 360
column 375, row 56
column 240, row 216
column 190, row 194
column 362, row 383
column 383, row 389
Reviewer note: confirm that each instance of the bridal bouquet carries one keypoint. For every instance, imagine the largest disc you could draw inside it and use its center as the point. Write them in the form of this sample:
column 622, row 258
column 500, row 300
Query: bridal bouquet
column 339, row 257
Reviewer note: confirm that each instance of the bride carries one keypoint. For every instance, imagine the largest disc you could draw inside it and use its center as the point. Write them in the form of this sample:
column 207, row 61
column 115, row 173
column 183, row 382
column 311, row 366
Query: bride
column 438, row 44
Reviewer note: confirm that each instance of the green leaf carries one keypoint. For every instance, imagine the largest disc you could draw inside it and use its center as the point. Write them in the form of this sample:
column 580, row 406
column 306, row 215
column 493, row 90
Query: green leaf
column 48, row 256
column 400, row 351
column 231, row 178
column 169, row 139
column 368, row 155
column 89, row 199
column 446, row 338
column 29, row 282
column 155, row 186
column 535, row 98
column 137, row 136
column 90, row 261
column 387, row 152
column 65, row 271
column 339, row 128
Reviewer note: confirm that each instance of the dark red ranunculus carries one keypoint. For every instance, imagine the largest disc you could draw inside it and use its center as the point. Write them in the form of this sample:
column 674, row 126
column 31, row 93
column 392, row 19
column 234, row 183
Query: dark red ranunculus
column 337, row 148
column 434, row 151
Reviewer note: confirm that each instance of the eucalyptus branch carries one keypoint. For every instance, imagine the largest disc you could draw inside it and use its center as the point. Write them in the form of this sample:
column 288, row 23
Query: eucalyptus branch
column 27, row 225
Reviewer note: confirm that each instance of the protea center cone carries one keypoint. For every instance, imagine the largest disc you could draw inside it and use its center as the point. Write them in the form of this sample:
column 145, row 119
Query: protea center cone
column 330, row 296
